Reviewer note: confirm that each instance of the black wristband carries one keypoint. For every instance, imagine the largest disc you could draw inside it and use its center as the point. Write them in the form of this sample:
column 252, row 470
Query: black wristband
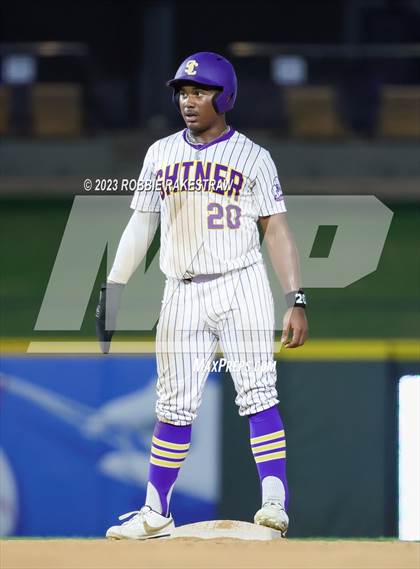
column 296, row 298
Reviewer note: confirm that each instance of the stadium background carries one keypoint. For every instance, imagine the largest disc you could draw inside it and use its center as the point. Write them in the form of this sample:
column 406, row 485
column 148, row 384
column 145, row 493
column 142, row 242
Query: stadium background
column 332, row 90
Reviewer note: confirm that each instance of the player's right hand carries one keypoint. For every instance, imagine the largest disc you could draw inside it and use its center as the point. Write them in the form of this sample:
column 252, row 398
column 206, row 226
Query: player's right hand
column 295, row 327
column 106, row 313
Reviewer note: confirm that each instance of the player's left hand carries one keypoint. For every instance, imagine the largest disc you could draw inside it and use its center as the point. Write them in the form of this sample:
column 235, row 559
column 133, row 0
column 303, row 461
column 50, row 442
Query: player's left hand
column 106, row 313
column 295, row 327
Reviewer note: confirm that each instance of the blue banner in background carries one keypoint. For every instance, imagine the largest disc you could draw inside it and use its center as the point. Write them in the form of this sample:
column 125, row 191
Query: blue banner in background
column 75, row 442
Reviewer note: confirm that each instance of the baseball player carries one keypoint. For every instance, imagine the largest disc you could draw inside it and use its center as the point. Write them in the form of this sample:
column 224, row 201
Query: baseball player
column 209, row 186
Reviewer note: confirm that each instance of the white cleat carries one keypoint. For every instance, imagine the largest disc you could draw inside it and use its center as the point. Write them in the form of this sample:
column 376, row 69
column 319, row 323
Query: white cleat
column 143, row 524
column 273, row 515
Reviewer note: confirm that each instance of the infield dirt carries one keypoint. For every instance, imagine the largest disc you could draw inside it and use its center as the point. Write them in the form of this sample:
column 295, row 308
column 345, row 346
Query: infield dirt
column 204, row 554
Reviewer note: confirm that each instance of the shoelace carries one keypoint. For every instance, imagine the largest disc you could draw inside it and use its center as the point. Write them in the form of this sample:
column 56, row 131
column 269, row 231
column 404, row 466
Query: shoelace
column 136, row 514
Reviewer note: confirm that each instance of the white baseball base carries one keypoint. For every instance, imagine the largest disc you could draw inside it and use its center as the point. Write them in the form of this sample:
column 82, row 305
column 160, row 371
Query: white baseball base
column 226, row 528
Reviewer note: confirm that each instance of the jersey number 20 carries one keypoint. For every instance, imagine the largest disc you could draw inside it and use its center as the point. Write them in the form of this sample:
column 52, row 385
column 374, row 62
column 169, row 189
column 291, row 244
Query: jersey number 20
column 216, row 216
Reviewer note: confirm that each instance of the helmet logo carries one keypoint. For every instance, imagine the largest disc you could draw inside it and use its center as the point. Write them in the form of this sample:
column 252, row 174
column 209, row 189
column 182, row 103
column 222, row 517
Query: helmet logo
column 190, row 67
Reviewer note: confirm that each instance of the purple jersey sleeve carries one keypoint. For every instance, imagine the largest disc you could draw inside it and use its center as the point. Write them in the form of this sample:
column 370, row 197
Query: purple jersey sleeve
column 147, row 195
column 267, row 189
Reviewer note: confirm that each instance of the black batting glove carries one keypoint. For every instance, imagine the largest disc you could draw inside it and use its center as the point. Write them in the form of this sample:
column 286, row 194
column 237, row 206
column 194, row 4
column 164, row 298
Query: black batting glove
column 106, row 313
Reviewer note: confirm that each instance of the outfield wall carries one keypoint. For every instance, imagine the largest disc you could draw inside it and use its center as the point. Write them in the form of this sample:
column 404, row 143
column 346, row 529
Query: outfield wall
column 342, row 453
column 50, row 168
column 75, row 434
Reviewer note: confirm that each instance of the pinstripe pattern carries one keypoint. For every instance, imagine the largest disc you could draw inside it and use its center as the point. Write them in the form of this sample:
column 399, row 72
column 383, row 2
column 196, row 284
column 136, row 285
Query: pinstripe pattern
column 209, row 232
column 188, row 246
column 193, row 318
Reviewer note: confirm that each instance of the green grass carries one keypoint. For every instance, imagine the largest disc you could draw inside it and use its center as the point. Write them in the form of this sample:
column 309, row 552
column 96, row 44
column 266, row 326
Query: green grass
column 385, row 304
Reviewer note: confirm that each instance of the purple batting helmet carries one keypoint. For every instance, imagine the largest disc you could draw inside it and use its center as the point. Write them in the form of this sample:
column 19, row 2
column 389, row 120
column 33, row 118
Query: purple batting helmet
column 212, row 70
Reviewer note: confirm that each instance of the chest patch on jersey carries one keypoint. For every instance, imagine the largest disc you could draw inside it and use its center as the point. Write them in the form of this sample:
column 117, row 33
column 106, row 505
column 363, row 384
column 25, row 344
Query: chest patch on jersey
column 199, row 176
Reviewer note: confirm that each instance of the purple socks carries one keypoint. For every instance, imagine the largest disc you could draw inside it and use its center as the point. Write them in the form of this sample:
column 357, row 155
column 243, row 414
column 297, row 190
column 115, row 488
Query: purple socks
column 170, row 444
column 268, row 446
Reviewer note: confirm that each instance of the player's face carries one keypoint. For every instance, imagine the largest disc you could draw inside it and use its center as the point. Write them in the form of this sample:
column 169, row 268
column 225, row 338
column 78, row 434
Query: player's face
column 196, row 104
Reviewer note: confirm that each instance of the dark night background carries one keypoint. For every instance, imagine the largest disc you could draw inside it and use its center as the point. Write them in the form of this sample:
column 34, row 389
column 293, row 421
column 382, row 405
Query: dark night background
column 113, row 30
column 134, row 47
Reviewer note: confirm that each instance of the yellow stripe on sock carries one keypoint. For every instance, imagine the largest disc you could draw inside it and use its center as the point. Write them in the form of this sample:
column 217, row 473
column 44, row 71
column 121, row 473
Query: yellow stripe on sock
column 175, row 446
column 164, row 463
column 272, row 456
column 268, row 437
column 271, row 446
column 168, row 454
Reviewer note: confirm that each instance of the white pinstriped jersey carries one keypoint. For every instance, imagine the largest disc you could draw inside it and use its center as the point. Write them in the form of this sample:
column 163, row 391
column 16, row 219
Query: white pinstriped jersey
column 210, row 197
